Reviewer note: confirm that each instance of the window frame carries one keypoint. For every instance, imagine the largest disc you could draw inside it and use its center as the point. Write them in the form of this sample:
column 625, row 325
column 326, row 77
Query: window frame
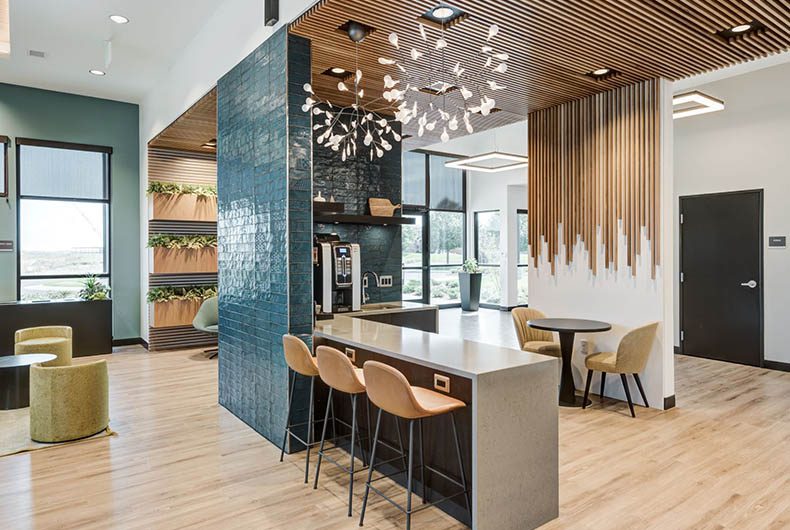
column 521, row 211
column 107, row 152
column 497, row 266
column 424, row 211
column 4, row 140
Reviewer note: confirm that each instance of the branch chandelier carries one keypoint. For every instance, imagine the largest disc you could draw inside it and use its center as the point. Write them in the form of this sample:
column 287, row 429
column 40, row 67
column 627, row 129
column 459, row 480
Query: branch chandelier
column 420, row 73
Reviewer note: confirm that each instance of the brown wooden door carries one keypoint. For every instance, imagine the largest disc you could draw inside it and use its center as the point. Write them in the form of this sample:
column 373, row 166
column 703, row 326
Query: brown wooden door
column 721, row 289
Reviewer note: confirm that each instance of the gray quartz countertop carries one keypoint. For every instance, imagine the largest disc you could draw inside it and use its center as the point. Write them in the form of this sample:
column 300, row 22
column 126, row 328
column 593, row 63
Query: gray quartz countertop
column 450, row 354
column 391, row 307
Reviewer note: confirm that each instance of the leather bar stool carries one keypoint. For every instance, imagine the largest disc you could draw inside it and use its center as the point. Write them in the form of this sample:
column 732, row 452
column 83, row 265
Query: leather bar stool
column 300, row 361
column 340, row 375
column 391, row 392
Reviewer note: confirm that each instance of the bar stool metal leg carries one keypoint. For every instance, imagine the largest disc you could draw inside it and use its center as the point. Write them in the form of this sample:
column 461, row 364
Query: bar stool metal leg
column 310, row 430
column 400, row 441
column 323, row 437
column 353, row 440
column 410, row 475
column 422, row 463
column 461, row 467
column 288, row 414
column 370, row 468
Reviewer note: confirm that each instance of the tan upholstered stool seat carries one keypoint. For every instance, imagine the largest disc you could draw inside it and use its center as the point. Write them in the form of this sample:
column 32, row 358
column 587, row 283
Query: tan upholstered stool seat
column 603, row 361
column 337, row 371
column 45, row 339
column 434, row 403
column 543, row 347
column 298, row 356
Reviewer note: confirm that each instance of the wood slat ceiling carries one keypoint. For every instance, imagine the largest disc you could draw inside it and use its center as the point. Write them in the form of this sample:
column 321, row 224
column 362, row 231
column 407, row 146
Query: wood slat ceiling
column 552, row 44
column 193, row 128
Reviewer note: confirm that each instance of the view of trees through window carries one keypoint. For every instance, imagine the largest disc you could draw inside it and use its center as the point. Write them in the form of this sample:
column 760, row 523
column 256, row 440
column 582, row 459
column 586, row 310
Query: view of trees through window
column 523, row 257
column 63, row 221
column 488, row 226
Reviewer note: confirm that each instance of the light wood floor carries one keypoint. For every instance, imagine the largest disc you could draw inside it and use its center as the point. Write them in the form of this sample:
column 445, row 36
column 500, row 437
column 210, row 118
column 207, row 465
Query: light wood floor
column 719, row 460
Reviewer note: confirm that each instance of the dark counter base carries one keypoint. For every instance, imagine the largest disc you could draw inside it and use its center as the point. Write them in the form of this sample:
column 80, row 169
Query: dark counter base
column 91, row 323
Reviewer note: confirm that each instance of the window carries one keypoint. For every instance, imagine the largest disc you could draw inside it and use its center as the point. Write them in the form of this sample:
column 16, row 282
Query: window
column 488, row 226
column 433, row 249
column 64, row 217
column 522, row 270
column 3, row 166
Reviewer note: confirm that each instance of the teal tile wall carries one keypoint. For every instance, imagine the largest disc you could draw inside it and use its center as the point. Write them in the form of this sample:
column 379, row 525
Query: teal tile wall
column 264, row 228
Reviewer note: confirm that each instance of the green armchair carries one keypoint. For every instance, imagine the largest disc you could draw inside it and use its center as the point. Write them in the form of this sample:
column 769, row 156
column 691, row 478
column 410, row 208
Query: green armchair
column 207, row 320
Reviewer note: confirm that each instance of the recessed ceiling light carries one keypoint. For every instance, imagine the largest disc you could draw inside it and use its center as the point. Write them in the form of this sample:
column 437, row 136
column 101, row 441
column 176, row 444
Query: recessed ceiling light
column 119, row 19
column 442, row 12
column 602, row 73
column 443, row 16
column 438, row 87
column 97, row 72
column 694, row 103
column 741, row 30
column 211, row 144
column 337, row 70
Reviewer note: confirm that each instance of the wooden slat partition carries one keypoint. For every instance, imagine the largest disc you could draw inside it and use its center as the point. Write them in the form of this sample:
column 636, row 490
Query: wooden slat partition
column 594, row 167
column 168, row 165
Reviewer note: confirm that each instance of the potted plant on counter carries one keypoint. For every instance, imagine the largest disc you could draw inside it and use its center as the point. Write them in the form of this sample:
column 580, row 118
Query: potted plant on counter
column 470, row 278
column 93, row 290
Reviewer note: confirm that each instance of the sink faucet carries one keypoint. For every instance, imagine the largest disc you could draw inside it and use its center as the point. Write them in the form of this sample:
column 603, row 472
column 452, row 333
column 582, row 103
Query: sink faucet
column 365, row 295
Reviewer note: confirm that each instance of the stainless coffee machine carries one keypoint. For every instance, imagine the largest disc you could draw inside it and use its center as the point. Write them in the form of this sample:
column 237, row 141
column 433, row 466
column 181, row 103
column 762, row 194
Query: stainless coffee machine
column 337, row 275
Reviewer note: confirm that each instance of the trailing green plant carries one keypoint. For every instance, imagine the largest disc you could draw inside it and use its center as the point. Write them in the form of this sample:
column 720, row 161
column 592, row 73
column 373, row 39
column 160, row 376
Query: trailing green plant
column 190, row 241
column 174, row 188
column 158, row 295
column 471, row 266
column 93, row 289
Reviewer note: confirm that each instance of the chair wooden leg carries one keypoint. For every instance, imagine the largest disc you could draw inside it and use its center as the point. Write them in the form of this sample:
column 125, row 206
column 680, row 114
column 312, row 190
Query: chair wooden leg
column 587, row 388
column 628, row 394
column 603, row 385
column 641, row 390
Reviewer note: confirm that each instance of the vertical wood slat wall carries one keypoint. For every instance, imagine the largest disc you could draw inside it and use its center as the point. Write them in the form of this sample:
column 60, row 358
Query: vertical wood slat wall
column 594, row 164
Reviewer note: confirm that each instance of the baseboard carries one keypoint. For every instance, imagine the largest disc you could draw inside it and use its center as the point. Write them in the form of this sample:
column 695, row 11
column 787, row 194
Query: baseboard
column 669, row 402
column 129, row 342
column 677, row 350
column 777, row 365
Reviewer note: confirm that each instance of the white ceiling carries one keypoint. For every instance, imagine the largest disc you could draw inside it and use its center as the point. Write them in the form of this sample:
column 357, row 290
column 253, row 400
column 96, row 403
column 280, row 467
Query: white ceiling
column 72, row 34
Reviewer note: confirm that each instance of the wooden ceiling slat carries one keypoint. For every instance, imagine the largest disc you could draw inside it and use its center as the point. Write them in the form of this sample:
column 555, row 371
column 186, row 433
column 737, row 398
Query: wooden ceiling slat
column 552, row 44
column 193, row 128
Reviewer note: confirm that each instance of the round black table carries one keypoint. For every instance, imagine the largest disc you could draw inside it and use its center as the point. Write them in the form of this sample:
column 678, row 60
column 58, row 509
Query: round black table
column 15, row 378
column 567, row 329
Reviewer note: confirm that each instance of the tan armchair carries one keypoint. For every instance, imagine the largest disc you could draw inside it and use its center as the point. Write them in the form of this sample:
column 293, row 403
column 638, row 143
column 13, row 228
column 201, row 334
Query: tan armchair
column 45, row 339
column 68, row 402
column 630, row 358
column 531, row 339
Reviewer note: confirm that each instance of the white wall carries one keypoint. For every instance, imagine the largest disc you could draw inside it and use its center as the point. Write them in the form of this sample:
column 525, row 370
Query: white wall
column 234, row 30
column 746, row 146
column 623, row 300
column 505, row 191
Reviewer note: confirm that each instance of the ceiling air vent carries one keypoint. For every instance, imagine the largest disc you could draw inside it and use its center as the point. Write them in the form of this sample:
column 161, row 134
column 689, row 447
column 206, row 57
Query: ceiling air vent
column 36, row 53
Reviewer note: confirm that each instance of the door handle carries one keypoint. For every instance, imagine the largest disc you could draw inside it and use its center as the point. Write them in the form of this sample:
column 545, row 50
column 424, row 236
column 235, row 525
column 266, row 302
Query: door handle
column 751, row 284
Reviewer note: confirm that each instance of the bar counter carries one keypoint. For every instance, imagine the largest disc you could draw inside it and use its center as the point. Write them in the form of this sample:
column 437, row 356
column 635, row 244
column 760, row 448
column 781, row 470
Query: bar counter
column 509, row 429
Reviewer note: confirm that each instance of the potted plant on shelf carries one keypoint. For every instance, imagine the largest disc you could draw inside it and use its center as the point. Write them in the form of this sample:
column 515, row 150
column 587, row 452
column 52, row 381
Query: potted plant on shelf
column 173, row 201
column 183, row 254
column 177, row 306
column 470, row 278
column 93, row 290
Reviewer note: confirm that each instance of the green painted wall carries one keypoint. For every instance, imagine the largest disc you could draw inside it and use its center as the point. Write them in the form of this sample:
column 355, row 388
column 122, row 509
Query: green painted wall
column 44, row 115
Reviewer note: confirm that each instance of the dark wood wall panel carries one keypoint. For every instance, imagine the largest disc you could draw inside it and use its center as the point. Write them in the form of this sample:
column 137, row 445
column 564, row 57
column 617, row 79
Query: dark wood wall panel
column 595, row 165
column 169, row 165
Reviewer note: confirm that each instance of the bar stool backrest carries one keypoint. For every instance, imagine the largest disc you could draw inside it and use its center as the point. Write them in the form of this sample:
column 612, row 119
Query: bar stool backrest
column 337, row 370
column 390, row 391
column 298, row 357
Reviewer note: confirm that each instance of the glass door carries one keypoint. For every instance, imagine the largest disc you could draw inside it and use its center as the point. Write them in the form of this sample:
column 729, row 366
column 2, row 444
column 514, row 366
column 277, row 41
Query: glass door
column 414, row 266
column 487, row 252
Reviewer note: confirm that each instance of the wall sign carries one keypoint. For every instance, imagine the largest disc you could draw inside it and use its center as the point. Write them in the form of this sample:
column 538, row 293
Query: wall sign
column 6, row 246
column 777, row 241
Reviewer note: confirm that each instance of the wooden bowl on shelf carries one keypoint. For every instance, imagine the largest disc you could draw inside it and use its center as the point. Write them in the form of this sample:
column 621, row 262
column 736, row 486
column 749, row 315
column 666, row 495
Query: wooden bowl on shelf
column 382, row 207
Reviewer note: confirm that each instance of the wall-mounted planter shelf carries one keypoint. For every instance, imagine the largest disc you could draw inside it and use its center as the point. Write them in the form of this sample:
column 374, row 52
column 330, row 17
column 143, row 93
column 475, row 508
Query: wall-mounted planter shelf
column 175, row 313
column 183, row 260
column 184, row 207
column 341, row 218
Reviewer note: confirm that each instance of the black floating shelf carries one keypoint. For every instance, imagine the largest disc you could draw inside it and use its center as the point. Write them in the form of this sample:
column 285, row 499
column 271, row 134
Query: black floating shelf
column 341, row 218
column 328, row 207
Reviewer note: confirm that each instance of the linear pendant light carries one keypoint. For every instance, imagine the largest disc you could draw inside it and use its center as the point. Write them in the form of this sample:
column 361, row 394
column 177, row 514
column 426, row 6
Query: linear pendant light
column 471, row 163
column 702, row 104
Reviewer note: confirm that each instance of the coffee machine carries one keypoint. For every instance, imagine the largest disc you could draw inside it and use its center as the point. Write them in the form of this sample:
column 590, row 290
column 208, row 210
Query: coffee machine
column 336, row 274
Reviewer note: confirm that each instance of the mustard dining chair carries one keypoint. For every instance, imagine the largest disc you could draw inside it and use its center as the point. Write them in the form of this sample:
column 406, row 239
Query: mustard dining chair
column 630, row 358
column 531, row 339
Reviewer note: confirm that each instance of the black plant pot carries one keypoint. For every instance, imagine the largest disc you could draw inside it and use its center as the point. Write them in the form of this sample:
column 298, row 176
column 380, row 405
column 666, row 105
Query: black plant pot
column 470, row 290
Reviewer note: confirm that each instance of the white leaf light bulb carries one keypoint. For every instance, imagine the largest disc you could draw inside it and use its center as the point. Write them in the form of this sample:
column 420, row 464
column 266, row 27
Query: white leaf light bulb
column 341, row 86
column 441, row 44
column 492, row 31
column 393, row 38
column 466, row 93
column 308, row 88
column 422, row 33
column 415, row 55
column 501, row 68
column 445, row 137
column 384, row 60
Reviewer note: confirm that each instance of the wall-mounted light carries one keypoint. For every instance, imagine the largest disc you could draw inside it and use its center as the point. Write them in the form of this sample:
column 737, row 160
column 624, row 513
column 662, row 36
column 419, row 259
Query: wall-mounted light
column 492, row 162
column 693, row 103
